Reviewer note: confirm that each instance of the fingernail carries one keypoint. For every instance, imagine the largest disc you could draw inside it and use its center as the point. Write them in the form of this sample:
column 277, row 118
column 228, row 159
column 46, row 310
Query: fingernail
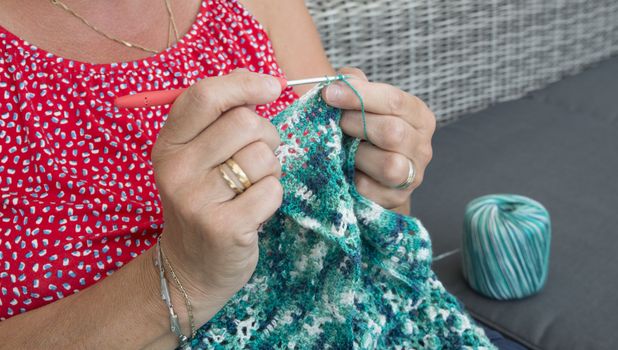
column 283, row 82
column 333, row 92
column 274, row 84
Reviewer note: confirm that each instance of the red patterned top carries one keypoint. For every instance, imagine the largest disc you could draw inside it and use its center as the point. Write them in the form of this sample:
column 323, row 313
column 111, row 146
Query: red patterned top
column 78, row 198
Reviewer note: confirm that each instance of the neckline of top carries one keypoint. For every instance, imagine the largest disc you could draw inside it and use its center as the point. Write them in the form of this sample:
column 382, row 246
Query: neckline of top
column 42, row 54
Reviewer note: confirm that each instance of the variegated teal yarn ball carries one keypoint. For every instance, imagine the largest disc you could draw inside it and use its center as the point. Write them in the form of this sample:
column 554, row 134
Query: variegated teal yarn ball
column 506, row 242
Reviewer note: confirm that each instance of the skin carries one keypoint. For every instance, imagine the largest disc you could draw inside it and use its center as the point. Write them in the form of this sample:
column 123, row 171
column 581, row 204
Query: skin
column 212, row 255
column 402, row 124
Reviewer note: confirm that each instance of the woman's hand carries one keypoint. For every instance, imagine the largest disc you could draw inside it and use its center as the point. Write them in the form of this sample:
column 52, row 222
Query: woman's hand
column 210, row 233
column 399, row 127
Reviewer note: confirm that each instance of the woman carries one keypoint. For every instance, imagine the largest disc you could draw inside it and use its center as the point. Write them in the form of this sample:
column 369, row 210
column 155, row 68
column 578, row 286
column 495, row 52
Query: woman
column 78, row 185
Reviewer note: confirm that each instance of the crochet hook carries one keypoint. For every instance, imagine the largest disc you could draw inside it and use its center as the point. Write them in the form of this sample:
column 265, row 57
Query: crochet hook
column 163, row 97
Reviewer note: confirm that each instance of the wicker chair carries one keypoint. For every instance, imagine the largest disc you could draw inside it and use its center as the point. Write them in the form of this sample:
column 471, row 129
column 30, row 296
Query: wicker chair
column 462, row 55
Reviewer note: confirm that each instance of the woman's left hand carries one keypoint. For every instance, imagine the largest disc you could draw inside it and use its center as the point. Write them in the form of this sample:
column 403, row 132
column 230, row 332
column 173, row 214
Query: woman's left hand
column 399, row 128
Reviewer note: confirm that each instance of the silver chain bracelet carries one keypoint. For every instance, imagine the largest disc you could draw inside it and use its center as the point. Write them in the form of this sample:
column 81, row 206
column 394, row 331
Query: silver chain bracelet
column 165, row 295
column 183, row 290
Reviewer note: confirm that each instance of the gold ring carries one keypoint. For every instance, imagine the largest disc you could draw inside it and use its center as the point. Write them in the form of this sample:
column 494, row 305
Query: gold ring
column 237, row 170
column 231, row 183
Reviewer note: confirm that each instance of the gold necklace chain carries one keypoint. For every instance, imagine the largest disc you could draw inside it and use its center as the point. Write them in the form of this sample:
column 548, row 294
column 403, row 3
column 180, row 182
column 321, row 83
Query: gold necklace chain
column 168, row 7
column 171, row 24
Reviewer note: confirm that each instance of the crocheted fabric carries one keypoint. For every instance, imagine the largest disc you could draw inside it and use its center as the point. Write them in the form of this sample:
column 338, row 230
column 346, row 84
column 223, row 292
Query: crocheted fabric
column 337, row 271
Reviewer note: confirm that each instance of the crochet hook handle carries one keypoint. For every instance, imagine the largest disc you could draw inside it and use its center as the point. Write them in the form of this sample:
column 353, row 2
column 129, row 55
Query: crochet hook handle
column 149, row 98
column 163, row 97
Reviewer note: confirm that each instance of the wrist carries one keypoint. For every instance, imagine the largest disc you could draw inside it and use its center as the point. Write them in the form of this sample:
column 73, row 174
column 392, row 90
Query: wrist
column 153, row 304
column 204, row 304
column 151, row 283
column 157, row 307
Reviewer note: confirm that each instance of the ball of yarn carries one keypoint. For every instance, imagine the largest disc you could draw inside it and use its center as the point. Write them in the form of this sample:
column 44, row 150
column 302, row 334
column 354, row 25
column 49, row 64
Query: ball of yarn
column 506, row 243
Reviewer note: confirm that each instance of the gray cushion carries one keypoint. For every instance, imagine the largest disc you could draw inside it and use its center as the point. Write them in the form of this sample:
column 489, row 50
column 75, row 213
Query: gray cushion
column 558, row 146
column 594, row 93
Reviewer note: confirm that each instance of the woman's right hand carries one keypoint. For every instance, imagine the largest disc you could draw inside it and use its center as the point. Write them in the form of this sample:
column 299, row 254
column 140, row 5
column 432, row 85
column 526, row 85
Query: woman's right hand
column 210, row 232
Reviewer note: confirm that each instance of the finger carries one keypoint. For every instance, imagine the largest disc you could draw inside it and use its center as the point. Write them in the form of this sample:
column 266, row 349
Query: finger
column 254, row 206
column 233, row 131
column 257, row 160
column 378, row 98
column 354, row 72
column 385, row 197
column 387, row 132
column 387, row 168
column 209, row 98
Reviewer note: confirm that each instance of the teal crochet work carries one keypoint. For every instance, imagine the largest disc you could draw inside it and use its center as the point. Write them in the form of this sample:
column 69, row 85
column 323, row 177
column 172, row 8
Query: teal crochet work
column 337, row 271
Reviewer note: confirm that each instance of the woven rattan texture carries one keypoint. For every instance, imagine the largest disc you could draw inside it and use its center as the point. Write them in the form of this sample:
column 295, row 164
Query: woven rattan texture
column 461, row 56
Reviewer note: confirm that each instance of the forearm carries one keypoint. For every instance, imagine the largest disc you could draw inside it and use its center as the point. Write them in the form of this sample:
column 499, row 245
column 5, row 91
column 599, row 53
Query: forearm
column 124, row 310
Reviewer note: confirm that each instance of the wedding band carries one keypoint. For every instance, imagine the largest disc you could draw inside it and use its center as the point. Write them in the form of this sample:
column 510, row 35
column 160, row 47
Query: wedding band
column 411, row 175
column 240, row 174
column 230, row 182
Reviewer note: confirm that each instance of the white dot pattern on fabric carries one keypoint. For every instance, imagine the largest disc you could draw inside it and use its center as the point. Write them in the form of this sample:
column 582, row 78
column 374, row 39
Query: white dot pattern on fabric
column 78, row 197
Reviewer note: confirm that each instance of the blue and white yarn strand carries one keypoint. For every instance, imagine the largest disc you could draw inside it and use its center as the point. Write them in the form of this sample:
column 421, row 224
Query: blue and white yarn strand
column 506, row 244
